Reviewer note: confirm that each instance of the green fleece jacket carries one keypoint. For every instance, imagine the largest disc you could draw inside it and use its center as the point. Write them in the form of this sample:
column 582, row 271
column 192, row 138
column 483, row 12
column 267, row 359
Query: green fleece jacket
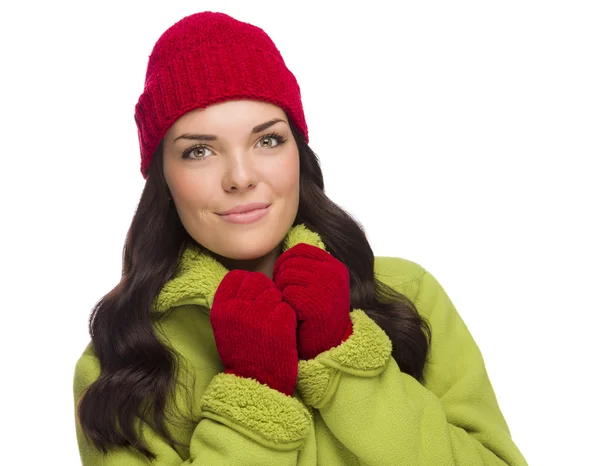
column 352, row 405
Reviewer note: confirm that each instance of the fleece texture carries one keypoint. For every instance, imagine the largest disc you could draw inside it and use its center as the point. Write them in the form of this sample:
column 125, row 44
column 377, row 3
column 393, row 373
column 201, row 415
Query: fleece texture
column 352, row 405
column 364, row 354
column 264, row 414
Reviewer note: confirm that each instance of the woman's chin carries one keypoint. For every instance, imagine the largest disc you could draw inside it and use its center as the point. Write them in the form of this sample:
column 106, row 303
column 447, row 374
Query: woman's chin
column 249, row 254
column 244, row 249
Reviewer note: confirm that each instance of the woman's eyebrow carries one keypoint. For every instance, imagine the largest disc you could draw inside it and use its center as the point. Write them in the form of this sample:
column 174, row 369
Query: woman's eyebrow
column 211, row 137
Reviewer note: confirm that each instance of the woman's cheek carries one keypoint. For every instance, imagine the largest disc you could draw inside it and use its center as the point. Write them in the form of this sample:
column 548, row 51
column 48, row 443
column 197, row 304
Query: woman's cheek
column 285, row 173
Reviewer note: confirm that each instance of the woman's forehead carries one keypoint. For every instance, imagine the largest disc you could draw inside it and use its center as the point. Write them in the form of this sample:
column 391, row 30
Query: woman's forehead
column 226, row 117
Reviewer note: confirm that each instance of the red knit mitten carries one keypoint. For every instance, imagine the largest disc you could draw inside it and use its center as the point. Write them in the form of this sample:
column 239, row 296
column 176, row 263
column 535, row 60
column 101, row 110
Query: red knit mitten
column 255, row 331
column 317, row 286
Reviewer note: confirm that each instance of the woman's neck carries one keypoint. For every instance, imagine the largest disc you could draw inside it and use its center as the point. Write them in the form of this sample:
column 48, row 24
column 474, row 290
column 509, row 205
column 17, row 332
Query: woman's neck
column 264, row 264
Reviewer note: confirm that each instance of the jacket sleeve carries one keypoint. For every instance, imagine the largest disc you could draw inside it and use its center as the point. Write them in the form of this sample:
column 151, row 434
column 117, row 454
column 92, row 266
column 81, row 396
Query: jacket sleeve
column 241, row 422
column 451, row 419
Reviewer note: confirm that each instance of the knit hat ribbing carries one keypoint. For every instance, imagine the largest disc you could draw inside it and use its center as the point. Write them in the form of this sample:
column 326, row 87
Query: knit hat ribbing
column 206, row 58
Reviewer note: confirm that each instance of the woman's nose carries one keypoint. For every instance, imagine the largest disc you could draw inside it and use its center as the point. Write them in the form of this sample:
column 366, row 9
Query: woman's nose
column 240, row 173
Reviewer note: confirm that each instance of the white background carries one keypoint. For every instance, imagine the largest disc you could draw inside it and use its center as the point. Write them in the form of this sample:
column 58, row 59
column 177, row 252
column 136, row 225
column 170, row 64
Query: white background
column 463, row 135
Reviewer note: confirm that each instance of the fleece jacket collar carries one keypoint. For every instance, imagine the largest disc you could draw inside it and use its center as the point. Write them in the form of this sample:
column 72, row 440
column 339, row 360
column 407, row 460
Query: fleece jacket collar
column 199, row 273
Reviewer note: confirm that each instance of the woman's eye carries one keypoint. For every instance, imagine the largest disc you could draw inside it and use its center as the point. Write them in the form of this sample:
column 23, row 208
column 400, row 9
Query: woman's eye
column 198, row 152
column 269, row 141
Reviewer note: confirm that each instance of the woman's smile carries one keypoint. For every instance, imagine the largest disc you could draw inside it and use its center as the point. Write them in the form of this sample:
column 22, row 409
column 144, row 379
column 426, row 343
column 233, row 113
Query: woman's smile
column 250, row 215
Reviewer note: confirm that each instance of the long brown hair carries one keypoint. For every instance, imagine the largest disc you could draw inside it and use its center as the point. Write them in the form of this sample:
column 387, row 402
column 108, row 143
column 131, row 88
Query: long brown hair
column 138, row 370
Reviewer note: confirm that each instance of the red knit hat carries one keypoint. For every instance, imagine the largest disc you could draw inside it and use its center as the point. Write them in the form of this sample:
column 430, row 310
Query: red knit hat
column 207, row 58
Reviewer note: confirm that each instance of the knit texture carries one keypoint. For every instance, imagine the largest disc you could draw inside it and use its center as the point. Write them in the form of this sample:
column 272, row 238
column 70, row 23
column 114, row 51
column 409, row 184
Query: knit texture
column 317, row 286
column 255, row 331
column 206, row 58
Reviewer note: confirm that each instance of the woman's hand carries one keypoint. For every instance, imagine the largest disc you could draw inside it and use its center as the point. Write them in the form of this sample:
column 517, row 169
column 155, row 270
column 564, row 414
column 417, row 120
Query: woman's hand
column 317, row 286
column 255, row 331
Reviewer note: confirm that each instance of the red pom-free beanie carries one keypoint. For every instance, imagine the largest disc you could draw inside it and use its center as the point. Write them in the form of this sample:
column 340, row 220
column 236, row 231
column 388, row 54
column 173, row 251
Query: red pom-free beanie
column 206, row 58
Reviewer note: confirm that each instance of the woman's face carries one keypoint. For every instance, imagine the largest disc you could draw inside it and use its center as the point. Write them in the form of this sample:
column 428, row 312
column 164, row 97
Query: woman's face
column 227, row 156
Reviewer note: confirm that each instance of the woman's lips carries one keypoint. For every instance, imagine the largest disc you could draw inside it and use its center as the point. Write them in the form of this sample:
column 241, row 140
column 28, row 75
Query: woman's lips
column 246, row 217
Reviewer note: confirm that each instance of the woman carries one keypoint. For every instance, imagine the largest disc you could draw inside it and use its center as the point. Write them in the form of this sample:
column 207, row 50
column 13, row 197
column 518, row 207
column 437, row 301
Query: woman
column 252, row 324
